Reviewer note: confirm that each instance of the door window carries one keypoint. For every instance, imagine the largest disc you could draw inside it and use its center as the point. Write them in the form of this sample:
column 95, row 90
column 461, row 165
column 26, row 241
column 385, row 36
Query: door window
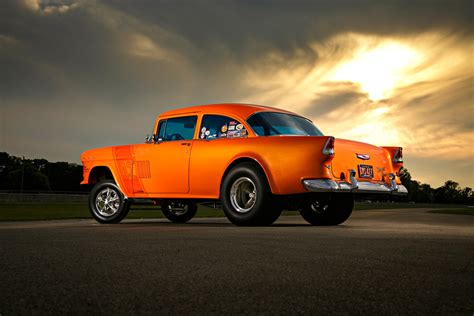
column 178, row 128
column 218, row 126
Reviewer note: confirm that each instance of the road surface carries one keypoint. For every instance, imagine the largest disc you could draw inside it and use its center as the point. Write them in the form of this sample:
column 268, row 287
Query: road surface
column 379, row 261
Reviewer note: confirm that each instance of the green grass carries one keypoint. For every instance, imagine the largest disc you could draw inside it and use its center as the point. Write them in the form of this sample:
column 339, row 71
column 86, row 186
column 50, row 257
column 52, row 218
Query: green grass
column 48, row 211
column 384, row 205
column 458, row 211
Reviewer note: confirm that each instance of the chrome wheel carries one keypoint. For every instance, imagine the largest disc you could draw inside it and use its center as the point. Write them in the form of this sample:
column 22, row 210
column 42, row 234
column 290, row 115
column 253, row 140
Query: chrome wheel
column 318, row 207
column 107, row 202
column 177, row 210
column 243, row 194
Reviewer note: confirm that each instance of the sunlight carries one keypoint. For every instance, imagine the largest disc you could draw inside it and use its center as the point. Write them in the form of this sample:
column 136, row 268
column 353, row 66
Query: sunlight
column 379, row 70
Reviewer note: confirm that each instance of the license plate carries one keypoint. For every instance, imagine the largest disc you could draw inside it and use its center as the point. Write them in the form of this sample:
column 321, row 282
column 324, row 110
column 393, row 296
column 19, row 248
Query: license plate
column 366, row 171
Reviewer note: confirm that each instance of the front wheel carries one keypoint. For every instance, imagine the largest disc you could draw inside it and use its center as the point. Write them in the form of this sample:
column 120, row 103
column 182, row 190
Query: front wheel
column 330, row 210
column 107, row 203
column 179, row 212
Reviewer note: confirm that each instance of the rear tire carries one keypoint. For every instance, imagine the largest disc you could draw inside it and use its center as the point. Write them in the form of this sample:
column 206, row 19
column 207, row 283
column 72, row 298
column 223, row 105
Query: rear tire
column 181, row 214
column 331, row 210
column 107, row 203
column 246, row 197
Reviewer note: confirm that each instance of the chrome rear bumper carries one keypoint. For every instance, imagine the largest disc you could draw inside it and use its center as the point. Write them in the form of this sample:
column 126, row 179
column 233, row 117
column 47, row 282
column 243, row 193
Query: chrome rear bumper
column 354, row 186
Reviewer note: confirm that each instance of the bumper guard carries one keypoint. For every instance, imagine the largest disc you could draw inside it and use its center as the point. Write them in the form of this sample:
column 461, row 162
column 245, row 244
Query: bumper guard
column 354, row 186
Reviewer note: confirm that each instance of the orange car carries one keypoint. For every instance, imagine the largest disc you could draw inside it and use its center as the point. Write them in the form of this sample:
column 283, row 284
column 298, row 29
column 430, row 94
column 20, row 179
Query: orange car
column 253, row 160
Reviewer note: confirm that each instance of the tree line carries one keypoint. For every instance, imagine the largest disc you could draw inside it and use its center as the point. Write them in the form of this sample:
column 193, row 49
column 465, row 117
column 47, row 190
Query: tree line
column 449, row 192
column 19, row 174
column 41, row 175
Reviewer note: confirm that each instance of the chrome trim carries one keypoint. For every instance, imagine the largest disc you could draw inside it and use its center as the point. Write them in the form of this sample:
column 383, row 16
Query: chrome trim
column 329, row 152
column 243, row 195
column 363, row 156
column 352, row 178
column 354, row 186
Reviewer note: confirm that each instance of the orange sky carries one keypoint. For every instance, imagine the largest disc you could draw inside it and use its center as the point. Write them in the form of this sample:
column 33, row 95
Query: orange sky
column 82, row 74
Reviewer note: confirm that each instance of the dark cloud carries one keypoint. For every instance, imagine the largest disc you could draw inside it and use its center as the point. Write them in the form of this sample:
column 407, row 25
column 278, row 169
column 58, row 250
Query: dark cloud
column 343, row 95
column 289, row 25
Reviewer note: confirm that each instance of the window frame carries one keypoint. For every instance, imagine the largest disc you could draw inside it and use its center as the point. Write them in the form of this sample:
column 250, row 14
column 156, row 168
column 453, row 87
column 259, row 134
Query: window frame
column 165, row 122
column 239, row 121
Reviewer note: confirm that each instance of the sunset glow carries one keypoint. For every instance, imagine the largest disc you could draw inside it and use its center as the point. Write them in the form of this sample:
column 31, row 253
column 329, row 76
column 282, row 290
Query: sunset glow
column 390, row 80
column 379, row 70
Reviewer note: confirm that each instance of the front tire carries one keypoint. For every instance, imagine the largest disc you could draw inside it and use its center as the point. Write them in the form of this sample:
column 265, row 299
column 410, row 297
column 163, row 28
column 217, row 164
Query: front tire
column 107, row 203
column 329, row 210
column 179, row 213
column 246, row 197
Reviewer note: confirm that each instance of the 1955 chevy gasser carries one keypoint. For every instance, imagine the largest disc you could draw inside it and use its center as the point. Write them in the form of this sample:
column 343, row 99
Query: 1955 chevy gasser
column 254, row 160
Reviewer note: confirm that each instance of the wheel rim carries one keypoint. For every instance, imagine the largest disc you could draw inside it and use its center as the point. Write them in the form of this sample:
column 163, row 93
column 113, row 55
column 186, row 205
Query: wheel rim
column 107, row 202
column 318, row 207
column 243, row 194
column 177, row 211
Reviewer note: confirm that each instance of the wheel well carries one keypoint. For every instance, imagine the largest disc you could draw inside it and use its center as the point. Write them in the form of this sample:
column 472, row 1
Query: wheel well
column 98, row 174
column 246, row 160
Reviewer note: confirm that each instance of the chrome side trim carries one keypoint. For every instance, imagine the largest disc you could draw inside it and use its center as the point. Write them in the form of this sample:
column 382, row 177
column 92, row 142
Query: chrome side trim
column 354, row 186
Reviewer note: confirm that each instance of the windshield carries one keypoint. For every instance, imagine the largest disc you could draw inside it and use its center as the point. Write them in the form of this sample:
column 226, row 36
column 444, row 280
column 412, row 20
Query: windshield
column 273, row 123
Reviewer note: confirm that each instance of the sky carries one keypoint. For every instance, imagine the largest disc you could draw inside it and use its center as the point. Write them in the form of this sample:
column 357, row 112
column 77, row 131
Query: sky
column 76, row 75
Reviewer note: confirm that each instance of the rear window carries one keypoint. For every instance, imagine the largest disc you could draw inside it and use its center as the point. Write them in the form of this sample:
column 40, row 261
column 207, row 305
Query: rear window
column 273, row 123
column 219, row 126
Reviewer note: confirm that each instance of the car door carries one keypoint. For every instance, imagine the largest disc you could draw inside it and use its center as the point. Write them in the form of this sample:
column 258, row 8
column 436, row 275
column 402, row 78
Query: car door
column 163, row 166
column 220, row 139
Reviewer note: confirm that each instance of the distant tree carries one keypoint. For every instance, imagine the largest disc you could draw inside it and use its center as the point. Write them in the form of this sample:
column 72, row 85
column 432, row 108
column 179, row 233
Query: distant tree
column 425, row 193
column 64, row 176
column 448, row 193
column 32, row 179
column 38, row 174
column 466, row 196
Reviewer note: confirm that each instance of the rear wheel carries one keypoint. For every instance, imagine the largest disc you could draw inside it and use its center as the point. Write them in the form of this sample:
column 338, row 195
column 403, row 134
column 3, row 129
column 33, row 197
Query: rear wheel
column 246, row 197
column 328, row 210
column 179, row 212
column 107, row 203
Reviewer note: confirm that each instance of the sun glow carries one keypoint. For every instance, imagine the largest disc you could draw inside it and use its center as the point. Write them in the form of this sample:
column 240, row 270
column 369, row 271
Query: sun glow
column 379, row 70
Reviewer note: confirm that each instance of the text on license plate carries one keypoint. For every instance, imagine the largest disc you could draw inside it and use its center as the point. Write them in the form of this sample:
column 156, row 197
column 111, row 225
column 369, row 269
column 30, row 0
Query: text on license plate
column 366, row 171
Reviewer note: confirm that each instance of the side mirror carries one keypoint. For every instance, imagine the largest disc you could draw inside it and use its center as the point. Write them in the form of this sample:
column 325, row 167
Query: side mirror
column 149, row 139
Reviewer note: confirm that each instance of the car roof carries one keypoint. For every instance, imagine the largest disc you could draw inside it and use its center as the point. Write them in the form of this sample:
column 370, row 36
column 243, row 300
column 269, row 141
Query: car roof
column 234, row 109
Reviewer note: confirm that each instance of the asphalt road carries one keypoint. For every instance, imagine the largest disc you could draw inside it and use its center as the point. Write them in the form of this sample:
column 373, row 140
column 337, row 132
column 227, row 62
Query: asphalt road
column 390, row 261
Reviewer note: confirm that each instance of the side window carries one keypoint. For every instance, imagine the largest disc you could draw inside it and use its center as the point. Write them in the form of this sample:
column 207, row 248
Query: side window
column 179, row 128
column 218, row 126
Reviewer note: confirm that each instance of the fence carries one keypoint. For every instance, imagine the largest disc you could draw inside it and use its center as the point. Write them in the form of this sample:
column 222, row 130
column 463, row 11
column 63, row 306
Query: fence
column 43, row 197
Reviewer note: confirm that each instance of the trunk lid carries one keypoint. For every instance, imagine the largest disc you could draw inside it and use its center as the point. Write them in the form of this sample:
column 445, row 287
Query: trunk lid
column 362, row 158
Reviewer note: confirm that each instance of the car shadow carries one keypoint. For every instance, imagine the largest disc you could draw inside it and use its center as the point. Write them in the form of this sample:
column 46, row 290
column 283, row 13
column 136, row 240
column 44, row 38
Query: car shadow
column 219, row 224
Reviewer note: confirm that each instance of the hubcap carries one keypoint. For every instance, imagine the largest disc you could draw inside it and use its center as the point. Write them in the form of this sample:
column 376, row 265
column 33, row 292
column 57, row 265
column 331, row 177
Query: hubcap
column 243, row 194
column 107, row 202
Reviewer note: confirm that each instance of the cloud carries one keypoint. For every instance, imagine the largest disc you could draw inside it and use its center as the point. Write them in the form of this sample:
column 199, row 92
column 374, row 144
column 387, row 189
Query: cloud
column 87, row 73
column 50, row 6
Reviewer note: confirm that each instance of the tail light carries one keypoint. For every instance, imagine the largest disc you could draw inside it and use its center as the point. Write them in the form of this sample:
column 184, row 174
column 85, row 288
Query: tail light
column 329, row 147
column 398, row 157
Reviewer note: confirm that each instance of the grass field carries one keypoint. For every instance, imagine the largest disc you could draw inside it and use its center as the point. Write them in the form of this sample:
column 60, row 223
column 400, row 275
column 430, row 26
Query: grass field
column 458, row 211
column 48, row 211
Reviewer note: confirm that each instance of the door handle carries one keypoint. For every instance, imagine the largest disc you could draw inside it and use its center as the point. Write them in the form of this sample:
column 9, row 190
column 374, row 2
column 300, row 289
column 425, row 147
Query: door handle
column 185, row 144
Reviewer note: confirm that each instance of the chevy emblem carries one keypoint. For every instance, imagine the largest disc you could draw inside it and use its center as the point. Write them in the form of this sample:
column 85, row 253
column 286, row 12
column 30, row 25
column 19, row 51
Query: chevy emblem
column 363, row 156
